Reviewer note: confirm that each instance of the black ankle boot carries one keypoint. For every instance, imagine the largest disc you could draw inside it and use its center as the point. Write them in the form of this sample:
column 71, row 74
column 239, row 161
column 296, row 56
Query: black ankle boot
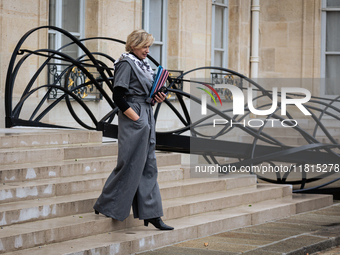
column 158, row 223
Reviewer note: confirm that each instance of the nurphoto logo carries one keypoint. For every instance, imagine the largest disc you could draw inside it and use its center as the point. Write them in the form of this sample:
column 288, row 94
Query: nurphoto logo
column 238, row 104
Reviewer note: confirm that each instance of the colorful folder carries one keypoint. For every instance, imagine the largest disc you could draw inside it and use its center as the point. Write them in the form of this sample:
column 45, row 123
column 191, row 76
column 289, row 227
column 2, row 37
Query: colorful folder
column 160, row 80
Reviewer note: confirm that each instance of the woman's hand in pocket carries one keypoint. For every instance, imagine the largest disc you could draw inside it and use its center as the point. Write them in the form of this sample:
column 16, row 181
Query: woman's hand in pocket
column 131, row 114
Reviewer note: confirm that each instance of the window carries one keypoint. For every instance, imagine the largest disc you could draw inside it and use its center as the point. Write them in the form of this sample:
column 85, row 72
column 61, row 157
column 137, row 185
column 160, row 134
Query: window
column 155, row 23
column 219, row 33
column 330, row 46
column 68, row 15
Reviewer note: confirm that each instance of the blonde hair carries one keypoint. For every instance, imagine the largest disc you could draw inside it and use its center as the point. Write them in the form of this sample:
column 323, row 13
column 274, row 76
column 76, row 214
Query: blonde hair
column 138, row 39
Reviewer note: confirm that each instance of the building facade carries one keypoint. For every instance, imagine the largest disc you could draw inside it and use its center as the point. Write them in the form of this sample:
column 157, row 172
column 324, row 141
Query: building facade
column 257, row 38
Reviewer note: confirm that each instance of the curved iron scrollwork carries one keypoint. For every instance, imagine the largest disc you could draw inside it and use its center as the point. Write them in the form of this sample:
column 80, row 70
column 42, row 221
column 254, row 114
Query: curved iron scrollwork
column 73, row 78
column 225, row 78
column 75, row 81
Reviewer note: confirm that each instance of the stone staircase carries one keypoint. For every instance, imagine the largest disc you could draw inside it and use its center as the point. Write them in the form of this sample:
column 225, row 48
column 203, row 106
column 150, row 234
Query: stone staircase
column 291, row 137
column 50, row 180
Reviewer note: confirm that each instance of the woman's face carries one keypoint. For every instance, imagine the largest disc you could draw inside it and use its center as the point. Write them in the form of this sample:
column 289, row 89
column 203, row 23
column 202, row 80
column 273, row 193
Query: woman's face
column 141, row 52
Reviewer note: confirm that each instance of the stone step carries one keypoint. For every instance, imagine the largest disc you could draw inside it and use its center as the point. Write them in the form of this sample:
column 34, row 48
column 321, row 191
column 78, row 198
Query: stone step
column 29, row 171
column 289, row 141
column 291, row 132
column 169, row 173
column 220, row 200
column 91, row 151
column 303, row 123
column 20, row 191
column 69, row 227
column 31, row 210
column 35, row 137
column 116, row 238
column 327, row 122
column 274, row 170
column 16, row 156
column 30, row 155
column 9, row 156
column 274, row 123
column 47, row 170
column 71, row 167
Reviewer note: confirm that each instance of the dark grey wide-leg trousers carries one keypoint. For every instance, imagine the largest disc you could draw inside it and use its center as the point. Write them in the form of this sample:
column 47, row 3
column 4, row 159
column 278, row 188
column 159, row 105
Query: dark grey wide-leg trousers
column 134, row 180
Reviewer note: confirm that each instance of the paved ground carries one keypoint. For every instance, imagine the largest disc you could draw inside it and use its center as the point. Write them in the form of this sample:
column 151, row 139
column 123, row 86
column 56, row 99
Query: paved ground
column 332, row 251
column 306, row 233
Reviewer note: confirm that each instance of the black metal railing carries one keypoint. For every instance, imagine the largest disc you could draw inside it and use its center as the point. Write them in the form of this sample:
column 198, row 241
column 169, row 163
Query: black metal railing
column 225, row 78
column 73, row 78
column 263, row 147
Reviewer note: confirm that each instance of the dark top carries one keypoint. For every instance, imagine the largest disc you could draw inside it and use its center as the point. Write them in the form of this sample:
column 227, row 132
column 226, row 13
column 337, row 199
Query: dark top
column 118, row 96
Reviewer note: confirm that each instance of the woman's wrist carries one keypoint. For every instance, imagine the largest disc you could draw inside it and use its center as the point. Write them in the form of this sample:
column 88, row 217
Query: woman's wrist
column 131, row 114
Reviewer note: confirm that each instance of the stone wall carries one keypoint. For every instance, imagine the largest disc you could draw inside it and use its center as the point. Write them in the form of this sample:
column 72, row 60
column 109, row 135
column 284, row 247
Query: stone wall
column 16, row 18
column 239, row 36
column 290, row 44
column 290, row 38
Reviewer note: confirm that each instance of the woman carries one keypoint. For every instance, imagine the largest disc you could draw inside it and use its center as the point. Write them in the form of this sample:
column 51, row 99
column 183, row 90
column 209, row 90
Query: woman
column 134, row 180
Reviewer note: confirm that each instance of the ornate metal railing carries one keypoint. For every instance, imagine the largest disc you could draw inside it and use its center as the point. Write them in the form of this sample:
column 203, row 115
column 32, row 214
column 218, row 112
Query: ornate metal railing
column 73, row 78
column 225, row 78
column 263, row 148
